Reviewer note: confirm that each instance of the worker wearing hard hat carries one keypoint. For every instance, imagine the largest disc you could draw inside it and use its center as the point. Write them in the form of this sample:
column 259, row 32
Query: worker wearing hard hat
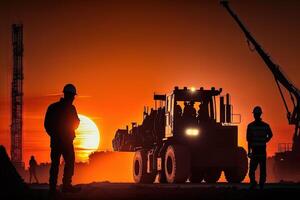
column 61, row 120
column 258, row 135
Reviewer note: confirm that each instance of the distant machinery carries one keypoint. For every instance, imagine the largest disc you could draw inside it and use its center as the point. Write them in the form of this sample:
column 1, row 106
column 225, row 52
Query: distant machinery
column 17, row 96
column 287, row 159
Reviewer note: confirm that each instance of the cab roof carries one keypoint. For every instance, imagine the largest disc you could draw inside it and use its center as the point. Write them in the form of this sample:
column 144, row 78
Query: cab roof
column 186, row 94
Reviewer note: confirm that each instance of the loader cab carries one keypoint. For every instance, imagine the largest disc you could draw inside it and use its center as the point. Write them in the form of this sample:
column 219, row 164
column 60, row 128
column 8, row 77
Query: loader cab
column 198, row 106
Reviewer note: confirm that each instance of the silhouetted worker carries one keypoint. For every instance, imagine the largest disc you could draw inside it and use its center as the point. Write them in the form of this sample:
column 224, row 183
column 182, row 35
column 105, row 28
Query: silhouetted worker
column 189, row 111
column 61, row 121
column 192, row 109
column 177, row 117
column 177, row 111
column 258, row 135
column 203, row 112
column 32, row 169
column 185, row 107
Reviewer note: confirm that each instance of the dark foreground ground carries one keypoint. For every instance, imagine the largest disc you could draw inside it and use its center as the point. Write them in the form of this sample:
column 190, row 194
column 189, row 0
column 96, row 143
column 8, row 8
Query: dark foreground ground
column 130, row 191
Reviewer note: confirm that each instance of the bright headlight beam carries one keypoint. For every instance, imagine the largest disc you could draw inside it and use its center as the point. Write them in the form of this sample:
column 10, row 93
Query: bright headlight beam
column 192, row 132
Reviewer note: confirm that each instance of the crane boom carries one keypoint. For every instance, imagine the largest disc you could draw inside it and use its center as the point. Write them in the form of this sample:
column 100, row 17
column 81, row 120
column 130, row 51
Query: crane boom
column 279, row 76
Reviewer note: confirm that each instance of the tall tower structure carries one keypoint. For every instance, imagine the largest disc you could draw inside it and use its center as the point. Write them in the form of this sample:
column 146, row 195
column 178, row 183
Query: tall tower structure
column 17, row 96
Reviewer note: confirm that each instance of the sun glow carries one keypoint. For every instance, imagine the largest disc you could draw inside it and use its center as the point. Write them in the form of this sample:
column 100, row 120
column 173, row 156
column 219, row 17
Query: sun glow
column 87, row 138
column 193, row 89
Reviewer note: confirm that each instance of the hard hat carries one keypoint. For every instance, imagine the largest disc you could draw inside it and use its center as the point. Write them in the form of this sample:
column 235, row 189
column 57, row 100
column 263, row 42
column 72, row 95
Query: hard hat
column 70, row 88
column 257, row 110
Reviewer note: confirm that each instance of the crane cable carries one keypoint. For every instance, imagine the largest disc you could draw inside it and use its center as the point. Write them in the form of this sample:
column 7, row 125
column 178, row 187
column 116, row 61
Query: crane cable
column 284, row 101
column 293, row 100
column 252, row 49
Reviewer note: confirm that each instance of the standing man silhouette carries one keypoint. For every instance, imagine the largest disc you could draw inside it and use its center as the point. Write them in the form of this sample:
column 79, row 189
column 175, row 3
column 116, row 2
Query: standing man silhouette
column 258, row 135
column 61, row 121
column 32, row 169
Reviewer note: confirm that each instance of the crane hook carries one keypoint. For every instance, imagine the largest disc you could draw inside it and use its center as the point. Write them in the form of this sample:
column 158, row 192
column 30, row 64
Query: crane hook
column 252, row 48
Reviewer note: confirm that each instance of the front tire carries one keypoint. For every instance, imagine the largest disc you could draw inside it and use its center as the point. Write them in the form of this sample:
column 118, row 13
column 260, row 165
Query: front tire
column 140, row 174
column 212, row 175
column 177, row 164
column 238, row 173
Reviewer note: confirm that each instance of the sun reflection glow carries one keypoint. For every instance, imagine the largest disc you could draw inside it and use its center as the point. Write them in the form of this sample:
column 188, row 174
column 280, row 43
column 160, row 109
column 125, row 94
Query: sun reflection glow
column 87, row 138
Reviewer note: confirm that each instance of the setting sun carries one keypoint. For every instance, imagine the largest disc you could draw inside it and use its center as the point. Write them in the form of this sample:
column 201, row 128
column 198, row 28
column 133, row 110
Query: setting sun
column 87, row 138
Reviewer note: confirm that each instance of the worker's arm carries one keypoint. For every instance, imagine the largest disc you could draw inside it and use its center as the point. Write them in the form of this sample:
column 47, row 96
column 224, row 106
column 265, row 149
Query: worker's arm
column 269, row 134
column 48, row 124
column 249, row 141
column 76, row 119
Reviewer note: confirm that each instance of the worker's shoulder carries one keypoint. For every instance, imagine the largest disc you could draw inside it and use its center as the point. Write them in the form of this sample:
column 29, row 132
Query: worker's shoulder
column 54, row 105
column 73, row 108
column 251, row 124
column 265, row 124
column 258, row 123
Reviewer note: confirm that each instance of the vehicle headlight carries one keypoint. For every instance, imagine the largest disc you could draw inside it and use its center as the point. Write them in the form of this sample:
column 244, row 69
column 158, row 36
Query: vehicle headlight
column 192, row 132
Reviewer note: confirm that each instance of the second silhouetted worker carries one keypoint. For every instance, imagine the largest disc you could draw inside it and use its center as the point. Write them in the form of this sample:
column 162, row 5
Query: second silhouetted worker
column 258, row 135
column 32, row 169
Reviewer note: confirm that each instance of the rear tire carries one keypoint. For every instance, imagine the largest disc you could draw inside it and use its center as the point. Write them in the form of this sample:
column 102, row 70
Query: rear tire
column 140, row 174
column 177, row 164
column 238, row 173
column 212, row 175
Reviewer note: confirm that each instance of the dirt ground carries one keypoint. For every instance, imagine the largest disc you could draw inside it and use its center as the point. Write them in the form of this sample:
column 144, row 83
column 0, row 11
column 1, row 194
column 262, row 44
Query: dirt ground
column 130, row 191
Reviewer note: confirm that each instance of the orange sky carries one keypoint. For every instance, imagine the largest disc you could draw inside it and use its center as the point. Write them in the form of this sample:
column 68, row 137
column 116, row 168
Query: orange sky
column 118, row 53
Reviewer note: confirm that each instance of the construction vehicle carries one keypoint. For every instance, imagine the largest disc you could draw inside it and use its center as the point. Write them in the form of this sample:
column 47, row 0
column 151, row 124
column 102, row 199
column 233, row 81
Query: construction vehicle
column 287, row 159
column 178, row 144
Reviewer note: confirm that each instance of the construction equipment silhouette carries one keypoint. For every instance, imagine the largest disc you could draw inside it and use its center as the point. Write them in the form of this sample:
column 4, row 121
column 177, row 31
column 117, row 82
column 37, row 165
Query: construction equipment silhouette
column 178, row 147
column 11, row 181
